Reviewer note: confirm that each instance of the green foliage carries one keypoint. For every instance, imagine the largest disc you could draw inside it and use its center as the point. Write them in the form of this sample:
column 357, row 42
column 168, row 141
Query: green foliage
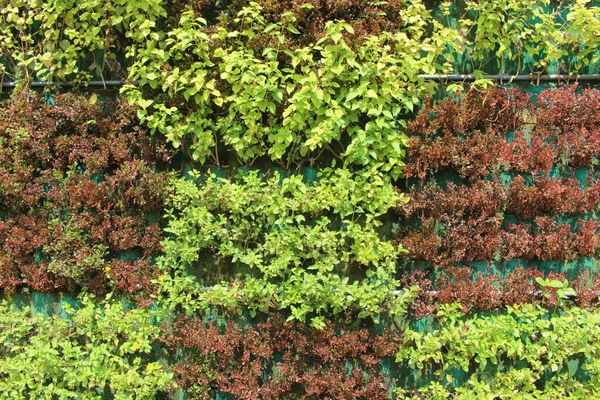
column 98, row 347
column 64, row 261
column 305, row 249
column 524, row 353
column 284, row 102
column 581, row 34
column 562, row 288
column 63, row 40
column 48, row 40
column 502, row 27
column 536, row 34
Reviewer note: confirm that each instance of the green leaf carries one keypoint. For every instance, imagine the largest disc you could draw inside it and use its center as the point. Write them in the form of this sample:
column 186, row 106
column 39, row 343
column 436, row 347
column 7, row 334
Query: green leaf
column 292, row 29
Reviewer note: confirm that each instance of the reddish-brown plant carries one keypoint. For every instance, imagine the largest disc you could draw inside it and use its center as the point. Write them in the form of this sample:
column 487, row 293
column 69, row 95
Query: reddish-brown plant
column 78, row 185
column 279, row 360
column 484, row 291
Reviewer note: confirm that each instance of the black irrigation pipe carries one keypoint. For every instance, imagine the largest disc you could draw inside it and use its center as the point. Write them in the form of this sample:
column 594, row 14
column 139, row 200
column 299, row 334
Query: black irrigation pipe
column 400, row 292
column 103, row 84
column 533, row 78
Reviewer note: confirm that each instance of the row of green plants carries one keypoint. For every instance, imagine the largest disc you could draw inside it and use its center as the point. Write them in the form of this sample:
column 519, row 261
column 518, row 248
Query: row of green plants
column 76, row 40
column 282, row 244
column 105, row 349
column 98, row 348
column 522, row 354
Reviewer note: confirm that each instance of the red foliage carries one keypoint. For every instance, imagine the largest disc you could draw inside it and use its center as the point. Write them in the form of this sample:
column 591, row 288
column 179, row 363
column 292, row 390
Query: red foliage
column 277, row 360
column 552, row 196
column 486, row 220
column 571, row 122
column 468, row 135
column 486, row 240
column 487, row 292
column 134, row 279
column 366, row 18
column 75, row 177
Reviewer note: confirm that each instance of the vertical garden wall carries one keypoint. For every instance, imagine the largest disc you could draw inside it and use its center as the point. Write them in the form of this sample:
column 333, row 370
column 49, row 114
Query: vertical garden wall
column 319, row 199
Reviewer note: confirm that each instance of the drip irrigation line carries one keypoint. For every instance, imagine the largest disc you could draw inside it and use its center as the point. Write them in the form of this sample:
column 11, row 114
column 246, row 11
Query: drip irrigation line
column 394, row 292
column 12, row 85
column 533, row 78
column 209, row 288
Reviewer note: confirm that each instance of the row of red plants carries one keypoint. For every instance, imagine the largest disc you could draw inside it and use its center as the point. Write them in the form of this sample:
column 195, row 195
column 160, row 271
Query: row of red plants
column 487, row 198
column 516, row 196
column 468, row 135
column 486, row 239
column 279, row 360
column 485, row 291
column 470, row 223
column 80, row 193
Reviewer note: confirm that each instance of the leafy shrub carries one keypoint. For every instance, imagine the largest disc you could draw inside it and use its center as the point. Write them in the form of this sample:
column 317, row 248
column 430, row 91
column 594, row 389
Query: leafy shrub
column 100, row 348
column 54, row 40
column 286, row 104
column 62, row 40
column 306, row 249
column 524, row 353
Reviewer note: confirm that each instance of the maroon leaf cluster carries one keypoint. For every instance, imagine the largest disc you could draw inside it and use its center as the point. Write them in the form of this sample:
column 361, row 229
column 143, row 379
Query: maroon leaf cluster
column 487, row 292
column 79, row 188
column 490, row 197
column 279, row 360
column 516, row 196
column 468, row 135
column 467, row 223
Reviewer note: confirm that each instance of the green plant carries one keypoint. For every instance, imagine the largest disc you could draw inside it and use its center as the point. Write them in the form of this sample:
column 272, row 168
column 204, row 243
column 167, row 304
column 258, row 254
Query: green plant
column 523, row 353
column 285, row 102
column 542, row 36
column 581, row 38
column 99, row 348
column 505, row 29
column 64, row 261
column 68, row 40
column 309, row 250
column 48, row 40
column 560, row 289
